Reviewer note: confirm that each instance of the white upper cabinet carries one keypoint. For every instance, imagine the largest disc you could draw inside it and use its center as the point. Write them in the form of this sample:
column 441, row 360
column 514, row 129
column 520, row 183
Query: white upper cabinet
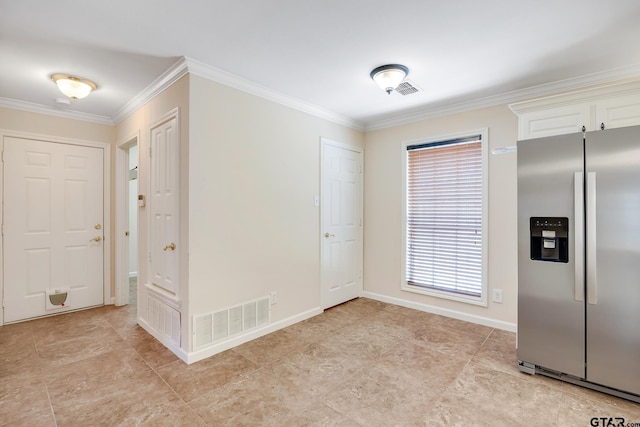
column 610, row 106
column 618, row 112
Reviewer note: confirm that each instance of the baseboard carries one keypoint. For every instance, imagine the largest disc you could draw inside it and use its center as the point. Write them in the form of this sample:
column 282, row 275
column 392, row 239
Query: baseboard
column 167, row 343
column 132, row 274
column 480, row 320
column 196, row 356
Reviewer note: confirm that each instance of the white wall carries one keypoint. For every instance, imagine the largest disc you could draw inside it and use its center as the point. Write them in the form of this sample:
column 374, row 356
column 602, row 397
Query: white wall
column 254, row 166
column 383, row 214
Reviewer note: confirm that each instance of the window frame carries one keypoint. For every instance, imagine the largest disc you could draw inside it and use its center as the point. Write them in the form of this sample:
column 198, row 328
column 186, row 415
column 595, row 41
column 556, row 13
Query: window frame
column 482, row 300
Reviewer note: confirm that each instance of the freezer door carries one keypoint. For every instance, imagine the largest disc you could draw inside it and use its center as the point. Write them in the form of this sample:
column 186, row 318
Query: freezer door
column 613, row 258
column 550, row 310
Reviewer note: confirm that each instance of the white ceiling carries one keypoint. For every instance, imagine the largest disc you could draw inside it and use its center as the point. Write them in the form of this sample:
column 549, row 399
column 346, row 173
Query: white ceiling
column 319, row 52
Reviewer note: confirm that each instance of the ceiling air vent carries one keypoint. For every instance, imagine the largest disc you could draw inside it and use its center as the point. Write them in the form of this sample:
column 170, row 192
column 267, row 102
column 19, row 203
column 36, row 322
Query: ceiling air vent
column 406, row 88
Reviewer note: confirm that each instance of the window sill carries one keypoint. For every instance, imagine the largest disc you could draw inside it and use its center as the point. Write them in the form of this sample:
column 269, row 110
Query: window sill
column 480, row 301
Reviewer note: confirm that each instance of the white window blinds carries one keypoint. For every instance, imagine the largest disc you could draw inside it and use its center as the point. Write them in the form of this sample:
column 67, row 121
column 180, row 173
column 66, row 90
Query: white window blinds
column 444, row 216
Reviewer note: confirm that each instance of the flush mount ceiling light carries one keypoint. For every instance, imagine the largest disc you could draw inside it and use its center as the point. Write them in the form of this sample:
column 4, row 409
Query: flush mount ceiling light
column 72, row 86
column 388, row 77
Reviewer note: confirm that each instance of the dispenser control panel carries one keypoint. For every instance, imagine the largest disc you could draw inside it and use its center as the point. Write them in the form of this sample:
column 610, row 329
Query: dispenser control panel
column 549, row 239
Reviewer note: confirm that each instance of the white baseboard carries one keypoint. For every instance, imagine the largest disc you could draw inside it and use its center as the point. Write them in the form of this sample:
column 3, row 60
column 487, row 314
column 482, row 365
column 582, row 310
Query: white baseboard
column 250, row 335
column 167, row 343
column 480, row 320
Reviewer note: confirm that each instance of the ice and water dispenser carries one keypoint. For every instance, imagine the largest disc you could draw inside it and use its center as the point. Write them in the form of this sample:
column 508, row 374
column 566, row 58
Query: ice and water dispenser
column 549, row 239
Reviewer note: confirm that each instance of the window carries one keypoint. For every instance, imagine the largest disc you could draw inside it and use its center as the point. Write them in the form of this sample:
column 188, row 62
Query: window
column 445, row 217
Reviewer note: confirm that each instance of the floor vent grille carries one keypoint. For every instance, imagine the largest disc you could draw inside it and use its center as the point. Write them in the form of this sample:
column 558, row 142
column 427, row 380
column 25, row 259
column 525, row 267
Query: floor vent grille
column 211, row 328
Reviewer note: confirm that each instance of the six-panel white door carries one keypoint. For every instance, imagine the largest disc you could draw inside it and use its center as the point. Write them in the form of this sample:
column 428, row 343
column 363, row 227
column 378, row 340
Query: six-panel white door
column 341, row 224
column 53, row 226
column 164, row 230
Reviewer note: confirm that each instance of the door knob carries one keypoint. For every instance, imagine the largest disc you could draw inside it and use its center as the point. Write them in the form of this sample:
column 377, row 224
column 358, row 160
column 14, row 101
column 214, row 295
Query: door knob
column 96, row 239
column 171, row 246
column 327, row 235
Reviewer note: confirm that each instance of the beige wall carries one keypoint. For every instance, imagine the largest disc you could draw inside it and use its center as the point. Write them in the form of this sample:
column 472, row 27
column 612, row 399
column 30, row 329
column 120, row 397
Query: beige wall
column 253, row 227
column 23, row 121
column 383, row 211
column 250, row 171
column 140, row 123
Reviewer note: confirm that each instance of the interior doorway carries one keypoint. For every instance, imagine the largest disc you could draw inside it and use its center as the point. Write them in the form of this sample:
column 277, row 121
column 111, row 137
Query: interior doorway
column 127, row 189
column 132, row 232
column 341, row 223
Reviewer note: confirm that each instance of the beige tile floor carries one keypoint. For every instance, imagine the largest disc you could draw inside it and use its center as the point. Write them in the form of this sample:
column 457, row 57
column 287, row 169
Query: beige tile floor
column 363, row 363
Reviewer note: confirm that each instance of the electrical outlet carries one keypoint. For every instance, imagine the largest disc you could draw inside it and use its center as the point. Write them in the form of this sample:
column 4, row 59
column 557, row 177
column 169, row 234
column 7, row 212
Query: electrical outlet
column 497, row 296
column 273, row 297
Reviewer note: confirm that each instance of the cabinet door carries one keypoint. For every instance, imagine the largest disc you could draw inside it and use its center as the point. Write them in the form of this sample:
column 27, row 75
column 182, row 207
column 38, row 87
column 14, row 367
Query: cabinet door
column 622, row 111
column 554, row 121
column 164, row 223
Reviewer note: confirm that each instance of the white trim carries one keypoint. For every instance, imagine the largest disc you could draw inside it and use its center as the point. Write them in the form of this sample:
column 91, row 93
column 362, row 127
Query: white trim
column 215, row 74
column 188, row 65
column 166, row 342
column 167, row 298
column 579, row 96
column 106, row 159
column 447, row 108
column 122, row 218
column 328, row 142
column 52, row 111
column 454, row 314
column 195, row 356
column 166, row 79
column 483, row 299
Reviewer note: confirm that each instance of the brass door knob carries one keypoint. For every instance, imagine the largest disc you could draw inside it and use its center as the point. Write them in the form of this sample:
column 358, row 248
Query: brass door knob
column 171, row 246
column 96, row 239
column 327, row 235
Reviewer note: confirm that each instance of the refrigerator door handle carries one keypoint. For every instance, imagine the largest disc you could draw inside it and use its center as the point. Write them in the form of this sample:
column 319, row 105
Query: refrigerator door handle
column 592, row 276
column 578, row 225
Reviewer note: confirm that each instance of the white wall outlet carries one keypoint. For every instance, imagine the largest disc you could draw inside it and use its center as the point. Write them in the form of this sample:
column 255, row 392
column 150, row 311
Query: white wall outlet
column 497, row 296
column 273, row 297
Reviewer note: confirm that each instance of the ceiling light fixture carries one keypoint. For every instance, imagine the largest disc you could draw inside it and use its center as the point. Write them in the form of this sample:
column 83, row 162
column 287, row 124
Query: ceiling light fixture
column 72, row 86
column 388, row 77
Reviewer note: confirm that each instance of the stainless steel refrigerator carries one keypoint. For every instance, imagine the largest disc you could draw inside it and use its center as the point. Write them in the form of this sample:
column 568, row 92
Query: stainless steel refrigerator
column 579, row 259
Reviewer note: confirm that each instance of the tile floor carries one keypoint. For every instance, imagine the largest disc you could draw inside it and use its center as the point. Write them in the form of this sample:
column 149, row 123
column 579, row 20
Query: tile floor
column 363, row 363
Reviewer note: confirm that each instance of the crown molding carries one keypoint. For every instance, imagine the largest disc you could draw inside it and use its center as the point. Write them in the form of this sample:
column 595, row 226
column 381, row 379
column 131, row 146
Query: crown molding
column 619, row 75
column 166, row 79
column 588, row 94
column 223, row 77
column 188, row 65
column 51, row 111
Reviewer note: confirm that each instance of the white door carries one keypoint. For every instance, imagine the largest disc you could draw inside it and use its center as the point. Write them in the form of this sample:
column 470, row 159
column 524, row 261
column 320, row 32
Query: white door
column 53, row 228
column 341, row 223
column 163, row 205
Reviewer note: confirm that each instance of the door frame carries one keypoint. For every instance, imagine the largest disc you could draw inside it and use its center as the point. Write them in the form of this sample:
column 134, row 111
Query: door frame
column 106, row 192
column 122, row 217
column 329, row 142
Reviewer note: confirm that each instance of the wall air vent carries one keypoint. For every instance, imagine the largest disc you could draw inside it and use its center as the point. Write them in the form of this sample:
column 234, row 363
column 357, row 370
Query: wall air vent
column 407, row 88
column 211, row 328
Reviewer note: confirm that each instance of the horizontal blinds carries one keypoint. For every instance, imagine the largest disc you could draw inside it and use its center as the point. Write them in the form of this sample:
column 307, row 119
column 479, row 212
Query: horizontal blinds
column 444, row 216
